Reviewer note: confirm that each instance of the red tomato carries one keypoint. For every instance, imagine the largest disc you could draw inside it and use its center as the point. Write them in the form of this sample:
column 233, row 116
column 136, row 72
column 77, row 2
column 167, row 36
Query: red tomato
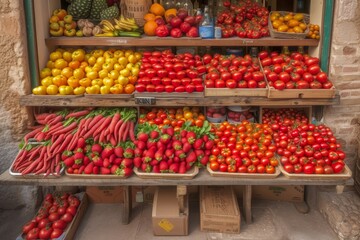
column 61, row 224
column 33, row 234
column 45, row 233
column 56, row 233
column 28, row 226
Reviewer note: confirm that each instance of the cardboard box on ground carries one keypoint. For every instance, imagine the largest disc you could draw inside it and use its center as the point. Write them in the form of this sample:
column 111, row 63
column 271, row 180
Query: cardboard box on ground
column 219, row 209
column 146, row 194
column 170, row 212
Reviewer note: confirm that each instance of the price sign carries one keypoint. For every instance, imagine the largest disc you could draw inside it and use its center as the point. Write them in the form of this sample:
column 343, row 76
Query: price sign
column 145, row 100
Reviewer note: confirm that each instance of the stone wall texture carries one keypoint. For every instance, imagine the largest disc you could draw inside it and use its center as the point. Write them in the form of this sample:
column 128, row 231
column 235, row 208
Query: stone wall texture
column 14, row 80
column 344, row 119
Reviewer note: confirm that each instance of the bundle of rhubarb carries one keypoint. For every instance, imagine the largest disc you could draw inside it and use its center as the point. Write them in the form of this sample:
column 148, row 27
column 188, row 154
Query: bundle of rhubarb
column 63, row 131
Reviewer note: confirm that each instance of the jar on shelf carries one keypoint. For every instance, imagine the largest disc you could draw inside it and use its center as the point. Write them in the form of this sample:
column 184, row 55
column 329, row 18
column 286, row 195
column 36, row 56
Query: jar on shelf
column 237, row 114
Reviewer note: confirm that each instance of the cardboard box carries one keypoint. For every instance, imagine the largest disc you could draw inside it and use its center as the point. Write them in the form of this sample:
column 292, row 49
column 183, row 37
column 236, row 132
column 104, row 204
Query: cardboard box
column 219, row 210
column 148, row 193
column 105, row 194
column 279, row 193
column 167, row 219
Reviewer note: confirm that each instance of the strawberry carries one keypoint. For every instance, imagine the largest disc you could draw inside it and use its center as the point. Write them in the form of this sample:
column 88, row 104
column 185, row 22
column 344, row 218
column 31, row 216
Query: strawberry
column 204, row 160
column 191, row 157
column 86, row 160
column 169, row 153
column 145, row 167
column 96, row 148
column 81, row 143
column 182, row 168
column 180, row 153
column 150, row 144
column 69, row 161
column 177, row 145
column 112, row 158
column 199, row 153
column 66, row 154
column 191, row 137
column 209, row 144
column 164, row 167
column 170, row 131
column 142, row 137
column 106, row 163
column 149, row 155
column 97, row 161
column 205, row 138
column 186, row 147
column 129, row 153
column 117, row 161
column 174, row 168
column 156, row 169
column 89, row 168
column 107, row 151
column 114, row 168
column 159, row 155
column 207, row 152
column 119, row 151
column 138, row 152
column 198, row 144
column 127, row 172
column 104, row 170
column 176, row 159
column 154, row 162
column 188, row 165
column 79, row 156
column 96, row 170
column 81, row 169
column 160, row 145
column 141, row 145
column 137, row 162
column 154, row 134
column 165, row 139
column 183, row 133
column 127, row 162
column 170, row 161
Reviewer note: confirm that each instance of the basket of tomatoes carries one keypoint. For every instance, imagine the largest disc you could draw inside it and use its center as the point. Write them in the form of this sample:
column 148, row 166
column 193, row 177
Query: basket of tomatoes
column 290, row 25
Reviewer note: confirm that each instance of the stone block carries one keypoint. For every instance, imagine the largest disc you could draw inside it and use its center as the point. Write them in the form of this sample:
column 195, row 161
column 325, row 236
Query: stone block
column 342, row 213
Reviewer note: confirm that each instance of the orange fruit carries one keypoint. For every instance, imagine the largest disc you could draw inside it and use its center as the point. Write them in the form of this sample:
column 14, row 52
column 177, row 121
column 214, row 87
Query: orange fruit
column 129, row 88
column 170, row 12
column 149, row 17
column 157, row 9
column 150, row 27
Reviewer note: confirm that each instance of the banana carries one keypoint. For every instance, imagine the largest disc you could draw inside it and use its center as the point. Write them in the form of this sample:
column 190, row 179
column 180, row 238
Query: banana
column 106, row 29
column 107, row 24
column 127, row 24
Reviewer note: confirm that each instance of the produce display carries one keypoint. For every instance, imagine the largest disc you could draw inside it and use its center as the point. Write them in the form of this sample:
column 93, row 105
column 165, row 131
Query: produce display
column 99, row 71
column 55, row 214
column 246, row 19
column 243, row 148
column 62, row 24
column 233, row 72
column 172, row 22
column 303, row 147
column 288, row 22
column 68, row 138
column 167, row 72
column 172, row 147
column 122, row 27
column 314, row 31
column 297, row 71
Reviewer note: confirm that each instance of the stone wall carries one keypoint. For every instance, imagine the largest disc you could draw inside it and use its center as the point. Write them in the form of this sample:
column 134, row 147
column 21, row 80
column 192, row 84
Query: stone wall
column 14, row 79
column 344, row 119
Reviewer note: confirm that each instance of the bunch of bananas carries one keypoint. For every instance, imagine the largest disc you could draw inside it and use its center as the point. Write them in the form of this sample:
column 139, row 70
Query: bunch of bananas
column 122, row 27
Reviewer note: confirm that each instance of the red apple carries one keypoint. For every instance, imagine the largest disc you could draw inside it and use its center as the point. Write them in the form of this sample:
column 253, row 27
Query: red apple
column 160, row 21
column 185, row 27
column 182, row 13
column 175, row 22
column 190, row 20
column 193, row 32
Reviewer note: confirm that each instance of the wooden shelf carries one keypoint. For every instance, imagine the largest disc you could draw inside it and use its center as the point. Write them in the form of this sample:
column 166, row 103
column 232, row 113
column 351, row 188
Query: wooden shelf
column 171, row 42
column 63, row 101
column 203, row 178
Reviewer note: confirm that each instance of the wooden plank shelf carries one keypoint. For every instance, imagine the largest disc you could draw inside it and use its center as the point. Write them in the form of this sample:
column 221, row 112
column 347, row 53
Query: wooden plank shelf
column 170, row 42
column 63, row 101
column 202, row 178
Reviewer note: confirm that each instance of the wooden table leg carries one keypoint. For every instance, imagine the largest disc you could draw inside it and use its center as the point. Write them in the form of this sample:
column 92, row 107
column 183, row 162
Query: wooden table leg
column 247, row 194
column 127, row 206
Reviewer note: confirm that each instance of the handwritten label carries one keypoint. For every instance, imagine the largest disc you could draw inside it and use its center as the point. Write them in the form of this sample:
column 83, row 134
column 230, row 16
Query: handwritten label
column 117, row 41
column 145, row 100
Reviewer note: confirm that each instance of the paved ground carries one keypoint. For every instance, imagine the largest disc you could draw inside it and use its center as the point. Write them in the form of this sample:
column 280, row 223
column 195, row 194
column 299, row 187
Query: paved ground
column 271, row 221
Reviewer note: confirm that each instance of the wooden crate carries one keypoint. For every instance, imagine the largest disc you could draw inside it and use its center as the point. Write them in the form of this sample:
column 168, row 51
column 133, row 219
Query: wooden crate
column 346, row 174
column 241, row 92
column 306, row 109
column 244, row 175
column 301, row 93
